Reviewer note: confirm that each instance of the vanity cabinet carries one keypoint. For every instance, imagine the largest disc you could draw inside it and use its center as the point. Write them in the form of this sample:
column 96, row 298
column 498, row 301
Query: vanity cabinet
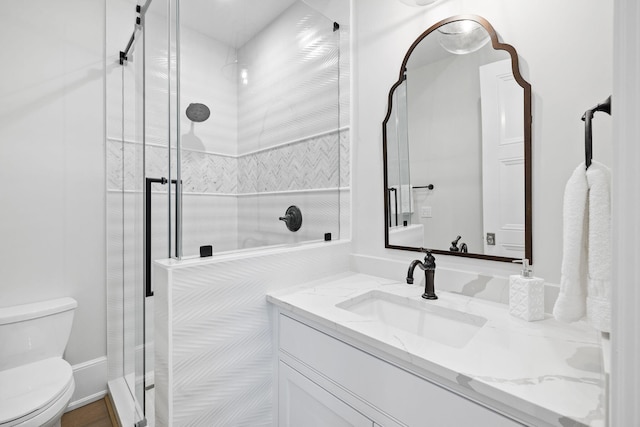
column 335, row 383
column 304, row 403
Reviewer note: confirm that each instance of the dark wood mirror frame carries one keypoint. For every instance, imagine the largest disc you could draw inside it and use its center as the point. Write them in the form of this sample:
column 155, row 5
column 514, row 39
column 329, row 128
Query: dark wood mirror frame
column 527, row 139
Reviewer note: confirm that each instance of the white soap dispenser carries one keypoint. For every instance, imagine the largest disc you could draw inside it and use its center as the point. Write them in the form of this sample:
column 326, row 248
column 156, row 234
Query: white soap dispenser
column 526, row 294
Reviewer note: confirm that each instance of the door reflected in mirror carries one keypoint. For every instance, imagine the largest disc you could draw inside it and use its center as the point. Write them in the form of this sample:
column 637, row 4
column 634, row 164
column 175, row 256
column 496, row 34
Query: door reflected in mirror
column 457, row 142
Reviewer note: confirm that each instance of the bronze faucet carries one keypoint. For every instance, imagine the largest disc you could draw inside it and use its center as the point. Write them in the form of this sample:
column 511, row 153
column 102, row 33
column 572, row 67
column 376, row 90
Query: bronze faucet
column 429, row 268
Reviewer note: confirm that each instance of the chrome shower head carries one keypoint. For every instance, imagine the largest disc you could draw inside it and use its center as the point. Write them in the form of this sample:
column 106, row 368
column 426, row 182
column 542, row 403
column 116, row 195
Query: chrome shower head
column 198, row 112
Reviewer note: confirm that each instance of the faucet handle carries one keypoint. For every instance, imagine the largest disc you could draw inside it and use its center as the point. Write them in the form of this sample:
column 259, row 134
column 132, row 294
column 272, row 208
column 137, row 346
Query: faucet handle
column 454, row 244
column 430, row 261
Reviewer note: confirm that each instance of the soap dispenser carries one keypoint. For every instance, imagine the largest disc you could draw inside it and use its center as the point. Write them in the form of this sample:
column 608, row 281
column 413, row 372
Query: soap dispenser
column 526, row 294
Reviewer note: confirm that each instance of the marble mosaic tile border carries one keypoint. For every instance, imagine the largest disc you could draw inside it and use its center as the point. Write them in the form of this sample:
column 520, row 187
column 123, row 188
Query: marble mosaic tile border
column 305, row 164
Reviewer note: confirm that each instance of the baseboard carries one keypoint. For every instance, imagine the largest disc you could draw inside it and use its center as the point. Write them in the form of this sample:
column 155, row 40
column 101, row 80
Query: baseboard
column 85, row 401
column 91, row 382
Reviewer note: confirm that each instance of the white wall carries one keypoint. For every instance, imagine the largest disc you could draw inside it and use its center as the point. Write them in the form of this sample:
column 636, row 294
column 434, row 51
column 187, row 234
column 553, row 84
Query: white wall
column 208, row 76
column 625, row 317
column 292, row 89
column 565, row 50
column 52, row 218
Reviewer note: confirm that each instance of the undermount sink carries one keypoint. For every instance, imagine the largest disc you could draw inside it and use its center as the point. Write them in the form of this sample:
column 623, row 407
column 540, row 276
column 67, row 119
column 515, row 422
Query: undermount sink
column 423, row 318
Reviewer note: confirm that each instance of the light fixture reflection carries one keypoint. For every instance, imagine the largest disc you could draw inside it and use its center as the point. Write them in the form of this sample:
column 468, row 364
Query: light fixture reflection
column 462, row 37
column 244, row 76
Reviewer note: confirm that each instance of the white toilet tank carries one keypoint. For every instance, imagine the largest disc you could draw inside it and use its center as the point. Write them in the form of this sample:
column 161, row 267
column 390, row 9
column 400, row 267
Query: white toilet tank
column 36, row 331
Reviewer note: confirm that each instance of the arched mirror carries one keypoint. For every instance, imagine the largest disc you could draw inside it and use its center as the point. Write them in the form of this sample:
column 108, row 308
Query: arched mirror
column 457, row 146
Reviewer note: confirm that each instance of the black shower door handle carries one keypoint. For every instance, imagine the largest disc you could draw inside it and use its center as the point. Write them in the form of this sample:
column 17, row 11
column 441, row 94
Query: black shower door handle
column 147, row 229
column 147, row 232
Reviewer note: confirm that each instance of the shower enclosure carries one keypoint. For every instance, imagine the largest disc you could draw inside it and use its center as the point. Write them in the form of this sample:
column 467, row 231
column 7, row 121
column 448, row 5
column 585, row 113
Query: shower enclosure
column 220, row 117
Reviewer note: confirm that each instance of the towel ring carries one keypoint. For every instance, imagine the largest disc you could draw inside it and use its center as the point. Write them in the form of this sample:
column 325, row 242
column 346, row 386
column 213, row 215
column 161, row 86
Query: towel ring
column 588, row 134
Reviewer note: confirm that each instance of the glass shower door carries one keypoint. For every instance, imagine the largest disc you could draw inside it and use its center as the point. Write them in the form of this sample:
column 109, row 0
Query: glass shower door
column 273, row 138
column 139, row 200
column 132, row 217
column 159, row 179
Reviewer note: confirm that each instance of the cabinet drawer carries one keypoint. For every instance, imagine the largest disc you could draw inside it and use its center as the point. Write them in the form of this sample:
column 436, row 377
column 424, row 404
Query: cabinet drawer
column 304, row 403
column 409, row 399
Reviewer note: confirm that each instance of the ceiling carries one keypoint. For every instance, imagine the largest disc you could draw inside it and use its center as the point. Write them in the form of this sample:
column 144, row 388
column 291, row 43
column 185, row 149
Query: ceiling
column 233, row 22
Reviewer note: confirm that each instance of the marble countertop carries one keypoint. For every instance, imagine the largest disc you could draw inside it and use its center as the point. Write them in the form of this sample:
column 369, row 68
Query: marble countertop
column 547, row 370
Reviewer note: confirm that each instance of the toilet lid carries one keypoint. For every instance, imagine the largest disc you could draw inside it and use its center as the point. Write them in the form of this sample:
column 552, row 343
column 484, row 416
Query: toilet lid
column 33, row 387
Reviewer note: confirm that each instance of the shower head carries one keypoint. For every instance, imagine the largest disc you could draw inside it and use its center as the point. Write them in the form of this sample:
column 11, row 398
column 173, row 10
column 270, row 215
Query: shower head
column 198, row 112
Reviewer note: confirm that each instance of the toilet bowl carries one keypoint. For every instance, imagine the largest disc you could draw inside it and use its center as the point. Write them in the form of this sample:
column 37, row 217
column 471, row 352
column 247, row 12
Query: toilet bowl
column 36, row 383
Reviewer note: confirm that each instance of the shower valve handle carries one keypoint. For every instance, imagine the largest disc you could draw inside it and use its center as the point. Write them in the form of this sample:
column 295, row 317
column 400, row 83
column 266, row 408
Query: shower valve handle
column 292, row 218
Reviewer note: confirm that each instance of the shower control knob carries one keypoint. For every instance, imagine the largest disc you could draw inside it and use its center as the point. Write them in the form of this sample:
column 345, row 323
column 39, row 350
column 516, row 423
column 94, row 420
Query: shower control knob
column 292, row 218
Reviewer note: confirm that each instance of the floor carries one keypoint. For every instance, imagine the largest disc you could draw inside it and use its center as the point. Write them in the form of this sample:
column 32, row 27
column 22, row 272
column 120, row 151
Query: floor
column 96, row 414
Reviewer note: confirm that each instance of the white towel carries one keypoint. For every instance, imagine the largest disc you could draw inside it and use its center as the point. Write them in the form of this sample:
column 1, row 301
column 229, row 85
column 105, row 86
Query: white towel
column 405, row 197
column 599, row 258
column 571, row 302
column 585, row 283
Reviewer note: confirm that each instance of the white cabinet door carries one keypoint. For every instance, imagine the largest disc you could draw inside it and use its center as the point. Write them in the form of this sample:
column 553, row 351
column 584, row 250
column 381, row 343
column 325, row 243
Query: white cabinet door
column 303, row 403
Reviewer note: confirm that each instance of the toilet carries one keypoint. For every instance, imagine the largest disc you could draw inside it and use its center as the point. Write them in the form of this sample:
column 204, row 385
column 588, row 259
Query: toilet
column 36, row 383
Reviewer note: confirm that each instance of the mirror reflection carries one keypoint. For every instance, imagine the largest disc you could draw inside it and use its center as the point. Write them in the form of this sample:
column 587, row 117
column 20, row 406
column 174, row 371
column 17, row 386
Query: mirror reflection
column 456, row 146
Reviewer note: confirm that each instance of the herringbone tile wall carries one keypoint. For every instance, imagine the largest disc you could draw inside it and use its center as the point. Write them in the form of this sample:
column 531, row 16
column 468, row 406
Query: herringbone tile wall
column 318, row 162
